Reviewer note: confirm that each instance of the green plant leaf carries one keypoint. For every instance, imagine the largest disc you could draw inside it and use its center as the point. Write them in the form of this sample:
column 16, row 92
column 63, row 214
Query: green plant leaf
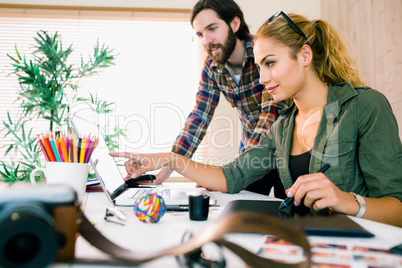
column 7, row 172
column 48, row 87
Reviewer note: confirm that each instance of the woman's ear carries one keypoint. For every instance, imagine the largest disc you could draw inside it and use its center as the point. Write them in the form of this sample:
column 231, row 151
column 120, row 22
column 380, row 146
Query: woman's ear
column 307, row 55
column 235, row 24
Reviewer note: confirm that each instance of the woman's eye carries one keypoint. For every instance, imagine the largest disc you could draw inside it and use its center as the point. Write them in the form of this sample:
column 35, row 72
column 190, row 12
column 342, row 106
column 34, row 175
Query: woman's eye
column 270, row 63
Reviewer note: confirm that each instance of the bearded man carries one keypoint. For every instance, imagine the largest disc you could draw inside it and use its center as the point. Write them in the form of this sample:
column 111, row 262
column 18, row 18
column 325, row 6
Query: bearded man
column 229, row 69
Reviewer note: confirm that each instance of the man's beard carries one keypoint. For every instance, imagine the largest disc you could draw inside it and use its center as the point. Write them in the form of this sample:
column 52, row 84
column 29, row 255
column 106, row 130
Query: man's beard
column 226, row 49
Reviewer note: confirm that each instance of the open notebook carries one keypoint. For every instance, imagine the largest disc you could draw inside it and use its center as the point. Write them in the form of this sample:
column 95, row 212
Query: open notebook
column 112, row 181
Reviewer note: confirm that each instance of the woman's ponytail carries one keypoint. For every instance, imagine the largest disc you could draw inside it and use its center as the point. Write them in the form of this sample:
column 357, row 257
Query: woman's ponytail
column 331, row 60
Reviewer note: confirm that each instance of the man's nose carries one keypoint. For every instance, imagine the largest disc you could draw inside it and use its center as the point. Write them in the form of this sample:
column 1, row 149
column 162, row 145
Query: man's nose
column 207, row 39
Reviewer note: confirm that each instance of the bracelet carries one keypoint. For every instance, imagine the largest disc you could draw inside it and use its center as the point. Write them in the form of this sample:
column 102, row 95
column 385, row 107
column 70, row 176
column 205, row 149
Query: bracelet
column 362, row 204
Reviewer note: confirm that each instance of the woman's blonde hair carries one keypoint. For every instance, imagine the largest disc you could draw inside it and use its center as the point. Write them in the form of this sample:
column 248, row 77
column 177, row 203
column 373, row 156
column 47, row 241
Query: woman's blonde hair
column 331, row 61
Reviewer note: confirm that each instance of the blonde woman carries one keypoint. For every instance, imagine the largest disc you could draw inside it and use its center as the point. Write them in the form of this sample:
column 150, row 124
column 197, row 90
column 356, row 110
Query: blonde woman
column 336, row 119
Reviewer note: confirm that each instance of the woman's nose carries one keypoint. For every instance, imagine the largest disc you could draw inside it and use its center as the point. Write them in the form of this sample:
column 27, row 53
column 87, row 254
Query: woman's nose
column 264, row 77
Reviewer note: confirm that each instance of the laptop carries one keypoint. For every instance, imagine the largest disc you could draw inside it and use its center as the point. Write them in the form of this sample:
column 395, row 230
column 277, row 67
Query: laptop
column 113, row 183
column 313, row 224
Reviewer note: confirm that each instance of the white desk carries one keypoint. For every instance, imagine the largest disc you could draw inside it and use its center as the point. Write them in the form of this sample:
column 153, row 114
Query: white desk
column 141, row 237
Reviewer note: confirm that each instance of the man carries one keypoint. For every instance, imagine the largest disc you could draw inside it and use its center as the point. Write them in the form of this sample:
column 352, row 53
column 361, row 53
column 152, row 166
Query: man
column 229, row 69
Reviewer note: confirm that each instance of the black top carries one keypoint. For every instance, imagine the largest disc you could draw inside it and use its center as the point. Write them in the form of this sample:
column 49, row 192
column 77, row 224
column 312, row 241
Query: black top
column 298, row 165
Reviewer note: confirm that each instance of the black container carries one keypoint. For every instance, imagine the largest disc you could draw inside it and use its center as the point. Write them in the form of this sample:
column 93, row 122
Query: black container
column 198, row 207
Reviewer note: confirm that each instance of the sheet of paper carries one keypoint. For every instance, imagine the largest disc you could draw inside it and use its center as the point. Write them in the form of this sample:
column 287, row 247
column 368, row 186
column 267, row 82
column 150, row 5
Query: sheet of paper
column 331, row 252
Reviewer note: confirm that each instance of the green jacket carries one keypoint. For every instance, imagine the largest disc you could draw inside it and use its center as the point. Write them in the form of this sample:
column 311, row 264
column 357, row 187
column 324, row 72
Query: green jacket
column 358, row 135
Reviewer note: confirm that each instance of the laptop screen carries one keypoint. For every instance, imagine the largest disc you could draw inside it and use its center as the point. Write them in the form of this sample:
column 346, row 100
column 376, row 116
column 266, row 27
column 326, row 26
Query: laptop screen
column 109, row 174
column 103, row 164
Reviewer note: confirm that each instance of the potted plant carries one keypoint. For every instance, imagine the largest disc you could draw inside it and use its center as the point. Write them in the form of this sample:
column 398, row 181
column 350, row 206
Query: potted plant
column 48, row 88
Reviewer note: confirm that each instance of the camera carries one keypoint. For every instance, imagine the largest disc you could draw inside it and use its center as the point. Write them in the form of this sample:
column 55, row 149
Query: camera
column 38, row 225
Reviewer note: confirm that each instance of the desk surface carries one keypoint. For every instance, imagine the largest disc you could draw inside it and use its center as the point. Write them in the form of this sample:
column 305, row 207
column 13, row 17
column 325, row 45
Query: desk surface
column 141, row 237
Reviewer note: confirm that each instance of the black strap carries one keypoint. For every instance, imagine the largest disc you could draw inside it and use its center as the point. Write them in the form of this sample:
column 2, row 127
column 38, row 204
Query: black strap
column 239, row 222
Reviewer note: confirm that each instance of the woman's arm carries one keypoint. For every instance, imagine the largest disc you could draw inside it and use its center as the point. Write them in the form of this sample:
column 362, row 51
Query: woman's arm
column 380, row 157
column 319, row 192
column 384, row 209
column 208, row 176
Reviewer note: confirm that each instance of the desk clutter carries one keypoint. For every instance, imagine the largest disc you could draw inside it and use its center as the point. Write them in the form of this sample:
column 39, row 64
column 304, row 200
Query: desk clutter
column 93, row 185
column 52, row 223
column 280, row 246
column 67, row 148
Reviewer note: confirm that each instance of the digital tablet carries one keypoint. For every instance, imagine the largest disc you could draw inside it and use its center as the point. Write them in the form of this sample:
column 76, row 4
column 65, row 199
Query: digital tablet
column 335, row 224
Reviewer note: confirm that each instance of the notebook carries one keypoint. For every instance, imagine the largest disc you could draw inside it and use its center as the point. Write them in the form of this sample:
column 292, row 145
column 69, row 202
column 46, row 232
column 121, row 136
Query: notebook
column 313, row 224
column 112, row 181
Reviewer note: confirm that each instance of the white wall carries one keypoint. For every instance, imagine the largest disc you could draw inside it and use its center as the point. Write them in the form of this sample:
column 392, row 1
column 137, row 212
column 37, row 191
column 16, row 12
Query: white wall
column 188, row 4
column 373, row 34
column 255, row 11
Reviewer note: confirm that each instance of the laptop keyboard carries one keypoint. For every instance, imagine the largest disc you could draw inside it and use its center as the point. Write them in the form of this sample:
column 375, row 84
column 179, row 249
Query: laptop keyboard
column 137, row 192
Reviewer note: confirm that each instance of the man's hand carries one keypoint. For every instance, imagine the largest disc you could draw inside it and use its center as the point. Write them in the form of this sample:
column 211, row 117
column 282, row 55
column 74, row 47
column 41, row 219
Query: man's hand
column 163, row 175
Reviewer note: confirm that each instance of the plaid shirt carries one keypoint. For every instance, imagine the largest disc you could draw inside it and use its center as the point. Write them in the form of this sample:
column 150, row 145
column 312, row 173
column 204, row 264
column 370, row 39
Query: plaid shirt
column 256, row 108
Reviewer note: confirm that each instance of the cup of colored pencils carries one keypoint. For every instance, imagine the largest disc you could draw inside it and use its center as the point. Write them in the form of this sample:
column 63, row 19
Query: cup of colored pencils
column 67, row 148
column 67, row 160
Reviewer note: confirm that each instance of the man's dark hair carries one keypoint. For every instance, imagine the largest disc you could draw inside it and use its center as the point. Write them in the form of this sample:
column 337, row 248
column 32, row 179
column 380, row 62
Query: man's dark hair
column 227, row 10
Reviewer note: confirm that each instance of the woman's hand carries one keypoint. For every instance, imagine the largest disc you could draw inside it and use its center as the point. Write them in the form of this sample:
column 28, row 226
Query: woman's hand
column 138, row 164
column 319, row 192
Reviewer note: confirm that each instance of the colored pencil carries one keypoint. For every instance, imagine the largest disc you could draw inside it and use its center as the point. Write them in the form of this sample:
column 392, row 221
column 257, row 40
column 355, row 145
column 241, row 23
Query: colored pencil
column 89, row 151
column 58, row 146
column 79, row 146
column 55, row 151
column 42, row 147
column 83, row 149
column 48, row 147
column 70, row 145
column 67, row 142
column 87, row 145
column 63, row 149
column 96, row 143
column 75, row 150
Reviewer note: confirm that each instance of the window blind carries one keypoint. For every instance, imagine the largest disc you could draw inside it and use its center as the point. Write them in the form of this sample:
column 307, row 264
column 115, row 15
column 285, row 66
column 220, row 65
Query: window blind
column 153, row 83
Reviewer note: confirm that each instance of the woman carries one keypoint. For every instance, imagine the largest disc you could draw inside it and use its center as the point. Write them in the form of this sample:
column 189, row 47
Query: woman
column 334, row 120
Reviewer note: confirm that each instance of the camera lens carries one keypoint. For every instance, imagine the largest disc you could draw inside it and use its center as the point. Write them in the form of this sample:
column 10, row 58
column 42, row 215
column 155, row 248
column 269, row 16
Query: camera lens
column 27, row 236
column 21, row 248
